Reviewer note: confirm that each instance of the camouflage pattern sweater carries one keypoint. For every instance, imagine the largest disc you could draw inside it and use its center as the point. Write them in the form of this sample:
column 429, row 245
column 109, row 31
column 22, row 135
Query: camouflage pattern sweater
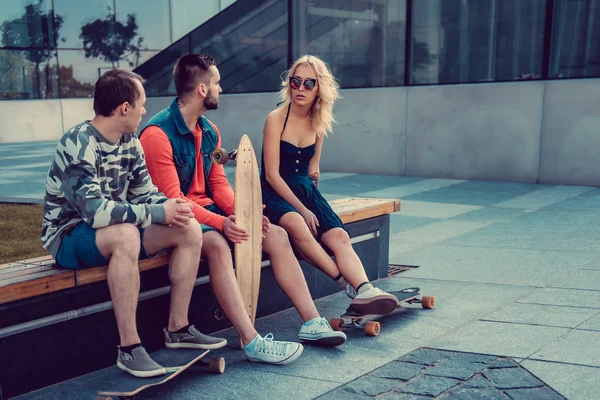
column 98, row 182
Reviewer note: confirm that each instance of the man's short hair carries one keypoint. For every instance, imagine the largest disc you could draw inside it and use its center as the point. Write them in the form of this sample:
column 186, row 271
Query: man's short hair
column 190, row 70
column 113, row 88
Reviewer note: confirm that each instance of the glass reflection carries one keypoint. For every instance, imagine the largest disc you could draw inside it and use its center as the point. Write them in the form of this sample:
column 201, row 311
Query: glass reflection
column 22, row 78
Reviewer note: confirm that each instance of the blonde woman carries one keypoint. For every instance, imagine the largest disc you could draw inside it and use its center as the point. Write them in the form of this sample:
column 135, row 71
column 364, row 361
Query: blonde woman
column 292, row 143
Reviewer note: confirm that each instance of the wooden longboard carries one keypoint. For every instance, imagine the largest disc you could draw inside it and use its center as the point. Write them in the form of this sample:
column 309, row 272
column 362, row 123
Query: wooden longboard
column 248, row 216
column 175, row 361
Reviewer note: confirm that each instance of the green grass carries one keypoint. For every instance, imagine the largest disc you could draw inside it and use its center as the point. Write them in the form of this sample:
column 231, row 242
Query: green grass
column 20, row 227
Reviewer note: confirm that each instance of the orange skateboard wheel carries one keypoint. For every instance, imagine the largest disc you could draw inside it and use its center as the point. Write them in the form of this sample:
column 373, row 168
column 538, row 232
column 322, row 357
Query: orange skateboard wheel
column 216, row 365
column 372, row 328
column 428, row 302
column 337, row 324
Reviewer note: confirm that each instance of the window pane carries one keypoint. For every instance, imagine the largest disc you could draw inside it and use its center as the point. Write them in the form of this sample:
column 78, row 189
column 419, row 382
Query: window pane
column 93, row 16
column 362, row 41
column 455, row 41
column 29, row 24
column 78, row 74
column 27, row 74
column 250, row 49
column 187, row 15
column 158, row 71
column 151, row 17
column 575, row 39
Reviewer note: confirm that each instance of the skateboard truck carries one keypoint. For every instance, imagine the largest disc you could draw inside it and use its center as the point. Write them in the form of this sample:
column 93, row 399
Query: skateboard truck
column 221, row 156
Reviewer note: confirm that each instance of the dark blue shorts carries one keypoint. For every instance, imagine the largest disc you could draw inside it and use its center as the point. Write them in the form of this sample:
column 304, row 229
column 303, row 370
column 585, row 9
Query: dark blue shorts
column 78, row 248
column 214, row 209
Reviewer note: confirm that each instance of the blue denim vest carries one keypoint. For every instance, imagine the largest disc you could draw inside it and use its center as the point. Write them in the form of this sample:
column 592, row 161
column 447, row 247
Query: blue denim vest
column 183, row 143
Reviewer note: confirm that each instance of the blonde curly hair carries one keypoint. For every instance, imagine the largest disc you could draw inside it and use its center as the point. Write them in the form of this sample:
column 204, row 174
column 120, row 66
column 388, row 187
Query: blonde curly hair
column 322, row 115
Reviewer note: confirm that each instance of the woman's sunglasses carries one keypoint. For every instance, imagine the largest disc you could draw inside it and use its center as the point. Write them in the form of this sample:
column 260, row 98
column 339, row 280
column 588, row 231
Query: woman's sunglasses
column 309, row 83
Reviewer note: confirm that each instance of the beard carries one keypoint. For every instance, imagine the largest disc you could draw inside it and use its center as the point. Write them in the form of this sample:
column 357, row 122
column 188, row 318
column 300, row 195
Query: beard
column 211, row 102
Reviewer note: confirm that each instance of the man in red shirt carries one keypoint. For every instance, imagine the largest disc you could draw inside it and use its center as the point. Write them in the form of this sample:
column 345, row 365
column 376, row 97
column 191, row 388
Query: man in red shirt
column 177, row 143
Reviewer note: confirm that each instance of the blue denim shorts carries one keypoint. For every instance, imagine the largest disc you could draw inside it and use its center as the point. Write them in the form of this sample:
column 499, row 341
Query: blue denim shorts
column 214, row 209
column 78, row 248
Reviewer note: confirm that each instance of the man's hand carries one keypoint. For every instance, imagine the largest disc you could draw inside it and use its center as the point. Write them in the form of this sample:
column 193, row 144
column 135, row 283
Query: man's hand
column 178, row 212
column 234, row 232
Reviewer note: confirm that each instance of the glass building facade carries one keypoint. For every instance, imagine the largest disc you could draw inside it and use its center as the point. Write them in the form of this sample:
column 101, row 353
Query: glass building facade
column 58, row 48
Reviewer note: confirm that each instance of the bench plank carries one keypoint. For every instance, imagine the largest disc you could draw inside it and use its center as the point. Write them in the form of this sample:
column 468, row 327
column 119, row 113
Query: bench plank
column 27, row 278
column 357, row 209
column 23, row 287
column 96, row 274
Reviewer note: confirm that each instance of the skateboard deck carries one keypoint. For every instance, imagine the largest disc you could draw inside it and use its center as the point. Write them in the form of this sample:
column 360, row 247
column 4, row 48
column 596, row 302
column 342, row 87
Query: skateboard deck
column 248, row 216
column 372, row 328
column 122, row 384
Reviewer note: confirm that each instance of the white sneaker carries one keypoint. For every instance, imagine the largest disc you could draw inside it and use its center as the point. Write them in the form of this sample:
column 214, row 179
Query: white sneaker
column 318, row 331
column 374, row 301
column 272, row 351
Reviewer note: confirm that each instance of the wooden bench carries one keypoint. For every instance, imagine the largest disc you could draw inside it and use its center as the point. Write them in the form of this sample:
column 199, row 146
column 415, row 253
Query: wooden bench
column 28, row 278
column 63, row 314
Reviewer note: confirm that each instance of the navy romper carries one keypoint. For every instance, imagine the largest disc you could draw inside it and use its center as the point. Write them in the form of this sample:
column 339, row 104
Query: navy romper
column 293, row 168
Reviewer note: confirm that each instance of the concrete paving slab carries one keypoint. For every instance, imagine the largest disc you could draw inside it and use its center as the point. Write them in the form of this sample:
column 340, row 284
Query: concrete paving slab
column 502, row 339
column 489, row 214
column 354, row 185
column 563, row 297
column 197, row 383
column 433, row 210
column 544, row 197
column 533, row 314
column 592, row 324
column 575, row 347
column 557, row 219
column 400, row 223
column 457, row 301
column 477, row 193
column 434, row 233
column 413, row 188
column 588, row 279
column 511, row 235
column 589, row 200
column 491, row 265
column 572, row 381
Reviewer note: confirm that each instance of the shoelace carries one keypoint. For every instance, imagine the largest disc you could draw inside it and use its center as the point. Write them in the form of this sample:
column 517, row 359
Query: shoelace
column 322, row 322
column 268, row 346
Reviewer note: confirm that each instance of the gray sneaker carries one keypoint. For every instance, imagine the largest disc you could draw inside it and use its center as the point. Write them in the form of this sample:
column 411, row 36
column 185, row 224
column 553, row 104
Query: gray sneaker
column 192, row 339
column 139, row 363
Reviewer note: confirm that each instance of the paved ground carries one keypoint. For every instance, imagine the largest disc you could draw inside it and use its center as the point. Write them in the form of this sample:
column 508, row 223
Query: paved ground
column 515, row 268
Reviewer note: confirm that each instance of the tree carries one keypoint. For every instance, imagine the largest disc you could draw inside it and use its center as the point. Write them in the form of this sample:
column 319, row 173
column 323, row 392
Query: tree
column 111, row 40
column 38, row 32
column 70, row 86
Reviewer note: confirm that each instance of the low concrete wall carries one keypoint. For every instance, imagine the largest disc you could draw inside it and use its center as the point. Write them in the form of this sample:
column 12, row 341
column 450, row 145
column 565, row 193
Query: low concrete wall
column 489, row 131
column 519, row 131
column 571, row 133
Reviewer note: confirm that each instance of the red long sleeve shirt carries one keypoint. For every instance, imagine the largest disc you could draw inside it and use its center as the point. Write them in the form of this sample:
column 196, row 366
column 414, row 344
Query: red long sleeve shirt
column 161, row 166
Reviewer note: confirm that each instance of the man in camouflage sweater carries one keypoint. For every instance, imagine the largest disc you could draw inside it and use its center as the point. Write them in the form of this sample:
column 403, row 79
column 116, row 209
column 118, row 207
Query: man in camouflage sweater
column 101, row 208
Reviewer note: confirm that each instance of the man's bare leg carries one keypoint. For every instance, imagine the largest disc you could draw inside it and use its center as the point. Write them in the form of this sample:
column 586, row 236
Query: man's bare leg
column 183, row 265
column 121, row 244
column 288, row 273
column 224, row 283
